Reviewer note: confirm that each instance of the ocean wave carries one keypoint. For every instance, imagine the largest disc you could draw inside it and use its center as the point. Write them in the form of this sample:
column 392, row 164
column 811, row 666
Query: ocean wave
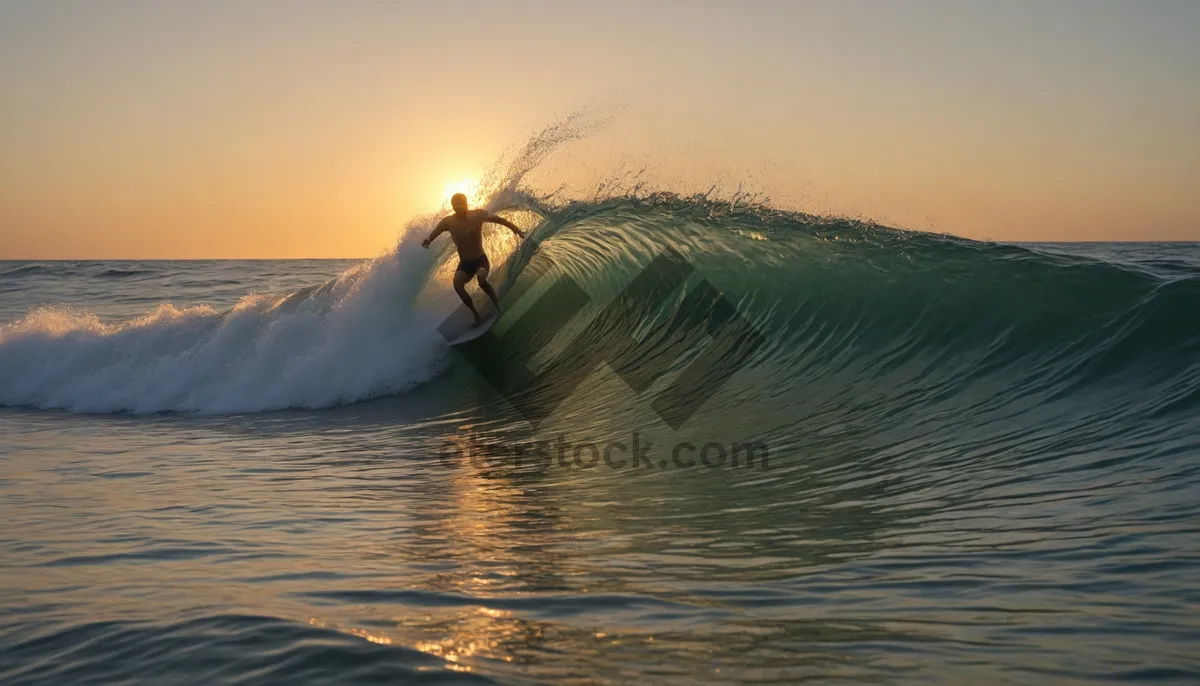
column 837, row 302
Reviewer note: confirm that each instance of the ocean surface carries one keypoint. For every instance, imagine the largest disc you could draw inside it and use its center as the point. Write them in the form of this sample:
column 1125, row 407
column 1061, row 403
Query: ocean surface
column 799, row 449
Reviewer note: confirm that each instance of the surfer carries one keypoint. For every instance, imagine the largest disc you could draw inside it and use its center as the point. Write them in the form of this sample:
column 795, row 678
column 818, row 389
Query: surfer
column 466, row 229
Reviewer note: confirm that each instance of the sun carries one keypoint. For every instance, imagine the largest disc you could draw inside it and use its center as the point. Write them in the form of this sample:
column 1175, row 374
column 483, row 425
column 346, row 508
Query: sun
column 467, row 186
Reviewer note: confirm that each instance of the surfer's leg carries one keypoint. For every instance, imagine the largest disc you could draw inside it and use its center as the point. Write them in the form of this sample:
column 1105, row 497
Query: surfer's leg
column 460, row 286
column 487, row 287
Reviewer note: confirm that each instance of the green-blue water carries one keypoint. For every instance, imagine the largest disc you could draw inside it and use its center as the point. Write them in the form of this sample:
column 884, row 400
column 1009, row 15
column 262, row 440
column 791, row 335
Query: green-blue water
column 977, row 462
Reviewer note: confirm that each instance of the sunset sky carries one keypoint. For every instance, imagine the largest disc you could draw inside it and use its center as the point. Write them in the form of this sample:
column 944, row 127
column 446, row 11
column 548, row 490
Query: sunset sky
column 296, row 128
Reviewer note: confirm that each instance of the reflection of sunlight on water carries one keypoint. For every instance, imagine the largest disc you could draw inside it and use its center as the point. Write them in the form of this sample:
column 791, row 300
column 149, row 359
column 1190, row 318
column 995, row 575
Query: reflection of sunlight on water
column 495, row 534
column 373, row 638
column 479, row 521
column 478, row 632
column 484, row 508
column 474, row 633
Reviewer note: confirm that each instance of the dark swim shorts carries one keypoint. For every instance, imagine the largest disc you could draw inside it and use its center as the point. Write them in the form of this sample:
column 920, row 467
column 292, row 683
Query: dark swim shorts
column 472, row 266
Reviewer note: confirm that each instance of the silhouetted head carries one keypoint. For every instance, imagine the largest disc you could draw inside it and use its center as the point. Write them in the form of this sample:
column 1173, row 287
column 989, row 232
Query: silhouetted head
column 459, row 202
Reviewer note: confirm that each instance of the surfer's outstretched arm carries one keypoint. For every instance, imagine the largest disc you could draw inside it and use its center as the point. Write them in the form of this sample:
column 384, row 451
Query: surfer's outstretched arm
column 437, row 231
column 495, row 219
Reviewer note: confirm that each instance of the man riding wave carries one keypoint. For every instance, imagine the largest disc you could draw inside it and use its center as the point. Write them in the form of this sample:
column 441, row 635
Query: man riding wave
column 466, row 230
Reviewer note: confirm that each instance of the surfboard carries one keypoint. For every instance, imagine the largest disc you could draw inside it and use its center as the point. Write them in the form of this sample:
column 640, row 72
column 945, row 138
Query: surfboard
column 456, row 329
column 489, row 318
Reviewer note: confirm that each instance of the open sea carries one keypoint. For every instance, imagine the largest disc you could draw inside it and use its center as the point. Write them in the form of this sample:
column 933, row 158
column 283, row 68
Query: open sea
column 704, row 443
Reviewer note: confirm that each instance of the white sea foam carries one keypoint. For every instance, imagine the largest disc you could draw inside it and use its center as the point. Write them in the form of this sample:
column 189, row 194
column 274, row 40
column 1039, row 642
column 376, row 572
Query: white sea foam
column 369, row 332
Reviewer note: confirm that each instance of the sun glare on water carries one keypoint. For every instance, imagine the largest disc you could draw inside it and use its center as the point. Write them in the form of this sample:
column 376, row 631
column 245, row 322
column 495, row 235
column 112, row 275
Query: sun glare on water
column 466, row 186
